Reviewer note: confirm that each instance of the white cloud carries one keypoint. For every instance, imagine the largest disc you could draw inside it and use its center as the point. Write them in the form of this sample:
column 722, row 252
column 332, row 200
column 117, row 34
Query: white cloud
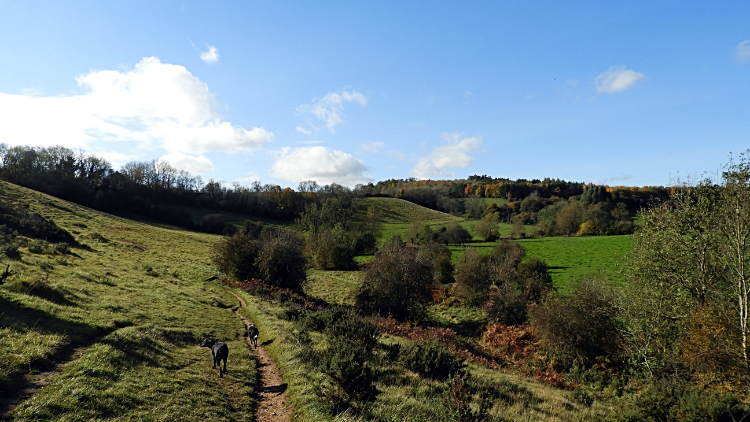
column 210, row 56
column 329, row 109
column 451, row 155
column 189, row 163
column 251, row 177
column 157, row 105
column 742, row 51
column 321, row 164
column 616, row 78
column 303, row 131
column 373, row 146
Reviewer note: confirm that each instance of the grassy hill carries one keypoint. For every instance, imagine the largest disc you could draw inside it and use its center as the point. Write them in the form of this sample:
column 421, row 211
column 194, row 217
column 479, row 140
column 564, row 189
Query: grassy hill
column 110, row 329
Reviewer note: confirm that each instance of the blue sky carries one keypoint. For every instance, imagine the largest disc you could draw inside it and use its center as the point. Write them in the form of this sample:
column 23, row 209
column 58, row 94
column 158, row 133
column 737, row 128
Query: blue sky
column 622, row 93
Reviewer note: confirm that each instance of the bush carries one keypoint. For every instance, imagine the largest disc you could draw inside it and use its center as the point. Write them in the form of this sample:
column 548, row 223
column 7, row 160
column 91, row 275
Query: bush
column 276, row 258
column 281, row 261
column 397, row 282
column 581, row 327
column 217, row 224
column 11, row 251
column 440, row 258
column 236, row 256
column 672, row 400
column 430, row 360
column 348, row 359
column 331, row 249
column 473, row 277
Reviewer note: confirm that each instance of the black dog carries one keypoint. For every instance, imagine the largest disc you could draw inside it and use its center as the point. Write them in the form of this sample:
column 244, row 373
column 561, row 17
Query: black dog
column 252, row 334
column 220, row 352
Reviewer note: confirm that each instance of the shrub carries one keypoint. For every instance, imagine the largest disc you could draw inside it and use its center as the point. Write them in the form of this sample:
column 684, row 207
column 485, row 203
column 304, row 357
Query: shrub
column 429, row 359
column 236, row 256
column 473, row 277
column 440, row 258
column 457, row 400
column 331, row 249
column 672, row 400
column 281, row 261
column 581, row 327
column 276, row 258
column 397, row 282
column 11, row 251
column 348, row 359
column 62, row 247
column 533, row 279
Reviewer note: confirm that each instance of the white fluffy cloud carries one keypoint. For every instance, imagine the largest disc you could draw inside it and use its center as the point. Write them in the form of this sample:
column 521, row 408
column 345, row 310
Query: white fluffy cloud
column 322, row 164
column 158, row 105
column 616, row 78
column 742, row 51
column 329, row 109
column 189, row 163
column 210, row 56
column 451, row 155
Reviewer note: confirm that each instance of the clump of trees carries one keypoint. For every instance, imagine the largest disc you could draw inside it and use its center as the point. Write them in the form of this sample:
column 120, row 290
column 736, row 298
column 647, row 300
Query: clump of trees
column 500, row 283
column 689, row 271
column 333, row 239
column 274, row 255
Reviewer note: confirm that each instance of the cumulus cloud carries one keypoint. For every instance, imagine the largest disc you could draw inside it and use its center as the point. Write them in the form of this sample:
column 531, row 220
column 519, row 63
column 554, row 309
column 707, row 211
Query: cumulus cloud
column 617, row 78
column 329, row 110
column 157, row 105
column 303, row 131
column 453, row 154
column 210, row 56
column 189, row 163
column 742, row 51
column 321, row 164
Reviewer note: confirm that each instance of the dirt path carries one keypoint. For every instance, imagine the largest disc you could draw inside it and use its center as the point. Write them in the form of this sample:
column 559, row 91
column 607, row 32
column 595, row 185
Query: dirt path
column 271, row 397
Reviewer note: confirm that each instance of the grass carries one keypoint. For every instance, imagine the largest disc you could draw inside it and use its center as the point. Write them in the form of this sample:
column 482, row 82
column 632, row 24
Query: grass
column 573, row 258
column 124, row 312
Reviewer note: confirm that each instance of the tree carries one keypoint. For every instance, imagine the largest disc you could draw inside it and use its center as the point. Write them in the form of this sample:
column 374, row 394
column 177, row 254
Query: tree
column 486, row 228
column 473, row 277
column 692, row 252
column 397, row 282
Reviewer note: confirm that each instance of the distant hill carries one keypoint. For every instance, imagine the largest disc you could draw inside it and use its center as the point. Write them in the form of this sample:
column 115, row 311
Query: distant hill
column 399, row 211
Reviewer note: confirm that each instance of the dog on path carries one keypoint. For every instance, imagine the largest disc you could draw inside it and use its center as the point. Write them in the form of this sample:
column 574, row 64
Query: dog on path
column 252, row 334
column 220, row 352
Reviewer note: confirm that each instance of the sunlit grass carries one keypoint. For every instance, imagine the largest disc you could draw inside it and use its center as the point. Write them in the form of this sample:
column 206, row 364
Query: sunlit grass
column 132, row 301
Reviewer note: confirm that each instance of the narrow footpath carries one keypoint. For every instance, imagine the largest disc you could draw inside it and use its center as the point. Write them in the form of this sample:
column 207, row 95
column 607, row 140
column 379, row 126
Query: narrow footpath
column 271, row 397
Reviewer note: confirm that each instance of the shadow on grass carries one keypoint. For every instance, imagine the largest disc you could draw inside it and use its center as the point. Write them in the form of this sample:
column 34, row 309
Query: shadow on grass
column 18, row 317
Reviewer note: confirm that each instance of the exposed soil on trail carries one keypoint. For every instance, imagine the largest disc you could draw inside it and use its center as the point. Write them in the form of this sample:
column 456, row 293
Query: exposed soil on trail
column 271, row 397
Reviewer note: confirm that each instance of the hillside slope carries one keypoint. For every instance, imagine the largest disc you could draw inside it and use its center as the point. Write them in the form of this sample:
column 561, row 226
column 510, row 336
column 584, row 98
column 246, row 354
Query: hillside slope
column 110, row 329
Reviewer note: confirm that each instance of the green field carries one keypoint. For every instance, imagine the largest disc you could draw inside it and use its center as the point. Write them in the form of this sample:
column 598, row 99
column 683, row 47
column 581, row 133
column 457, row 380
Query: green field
column 573, row 258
